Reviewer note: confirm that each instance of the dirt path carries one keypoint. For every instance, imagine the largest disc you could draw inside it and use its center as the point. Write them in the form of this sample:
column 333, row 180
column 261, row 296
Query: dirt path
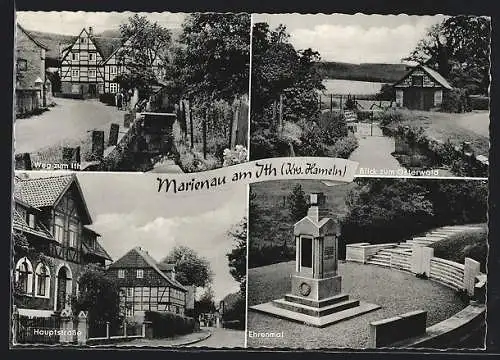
column 375, row 152
column 69, row 121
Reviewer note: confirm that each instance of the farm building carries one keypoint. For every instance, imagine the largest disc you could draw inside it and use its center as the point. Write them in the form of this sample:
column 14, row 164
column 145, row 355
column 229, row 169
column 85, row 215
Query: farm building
column 422, row 88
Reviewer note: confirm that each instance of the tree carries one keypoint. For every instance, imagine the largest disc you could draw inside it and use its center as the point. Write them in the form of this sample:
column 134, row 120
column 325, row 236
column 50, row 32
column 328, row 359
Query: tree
column 458, row 48
column 298, row 205
column 190, row 268
column 98, row 295
column 206, row 304
column 238, row 256
column 145, row 44
column 213, row 60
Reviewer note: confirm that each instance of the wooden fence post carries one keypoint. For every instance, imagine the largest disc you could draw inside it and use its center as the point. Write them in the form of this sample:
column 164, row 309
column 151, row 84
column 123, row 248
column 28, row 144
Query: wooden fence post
column 281, row 114
column 15, row 325
column 97, row 144
column 274, row 112
column 107, row 329
column 124, row 328
column 331, row 104
column 113, row 134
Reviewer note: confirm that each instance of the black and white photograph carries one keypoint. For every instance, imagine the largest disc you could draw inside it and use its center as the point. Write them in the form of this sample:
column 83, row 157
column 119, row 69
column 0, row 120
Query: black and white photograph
column 376, row 263
column 401, row 95
column 103, row 260
column 122, row 91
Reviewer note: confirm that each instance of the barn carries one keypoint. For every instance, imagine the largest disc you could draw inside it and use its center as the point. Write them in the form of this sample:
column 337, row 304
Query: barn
column 422, row 88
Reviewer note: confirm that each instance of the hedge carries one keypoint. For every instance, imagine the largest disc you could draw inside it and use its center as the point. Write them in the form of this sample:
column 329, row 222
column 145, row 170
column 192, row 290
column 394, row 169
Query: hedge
column 107, row 98
column 480, row 102
column 70, row 96
column 167, row 324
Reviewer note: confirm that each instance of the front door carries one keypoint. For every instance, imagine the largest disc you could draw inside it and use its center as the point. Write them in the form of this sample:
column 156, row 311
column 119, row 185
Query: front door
column 93, row 90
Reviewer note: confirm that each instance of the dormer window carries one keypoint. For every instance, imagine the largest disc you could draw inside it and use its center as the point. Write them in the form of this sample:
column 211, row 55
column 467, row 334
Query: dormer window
column 121, row 273
column 31, row 220
column 83, row 40
column 75, row 56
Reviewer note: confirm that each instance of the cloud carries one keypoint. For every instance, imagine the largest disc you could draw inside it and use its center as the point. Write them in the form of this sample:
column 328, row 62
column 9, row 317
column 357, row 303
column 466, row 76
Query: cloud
column 206, row 233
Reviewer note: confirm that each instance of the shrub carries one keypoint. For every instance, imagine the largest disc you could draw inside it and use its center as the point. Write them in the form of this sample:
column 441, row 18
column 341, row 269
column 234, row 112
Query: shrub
column 332, row 127
column 311, row 141
column 345, row 146
column 456, row 101
column 479, row 102
column 267, row 144
column 236, row 156
column 390, row 117
column 107, row 98
column 167, row 324
column 364, row 115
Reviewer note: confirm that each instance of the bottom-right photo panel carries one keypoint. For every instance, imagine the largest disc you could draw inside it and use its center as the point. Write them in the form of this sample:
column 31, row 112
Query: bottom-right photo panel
column 376, row 263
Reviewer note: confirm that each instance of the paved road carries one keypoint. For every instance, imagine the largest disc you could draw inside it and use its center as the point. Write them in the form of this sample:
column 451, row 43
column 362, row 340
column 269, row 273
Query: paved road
column 375, row 152
column 67, row 122
column 222, row 338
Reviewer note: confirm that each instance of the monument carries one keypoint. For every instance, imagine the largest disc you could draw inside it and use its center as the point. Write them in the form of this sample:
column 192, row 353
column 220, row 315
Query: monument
column 316, row 296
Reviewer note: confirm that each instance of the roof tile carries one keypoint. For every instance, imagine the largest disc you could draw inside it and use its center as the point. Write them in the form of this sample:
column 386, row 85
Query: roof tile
column 39, row 192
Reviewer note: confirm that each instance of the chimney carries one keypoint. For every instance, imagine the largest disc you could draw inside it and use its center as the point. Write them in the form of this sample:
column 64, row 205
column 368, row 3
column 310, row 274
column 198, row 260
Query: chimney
column 317, row 208
column 91, row 31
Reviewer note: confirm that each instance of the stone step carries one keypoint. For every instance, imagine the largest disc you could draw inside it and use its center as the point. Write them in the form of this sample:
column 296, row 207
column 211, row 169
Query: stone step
column 380, row 263
column 313, row 311
column 460, row 227
column 315, row 303
column 405, row 245
column 427, row 239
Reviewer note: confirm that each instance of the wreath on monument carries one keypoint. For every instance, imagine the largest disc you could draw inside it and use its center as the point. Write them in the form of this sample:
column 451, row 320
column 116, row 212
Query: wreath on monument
column 304, row 289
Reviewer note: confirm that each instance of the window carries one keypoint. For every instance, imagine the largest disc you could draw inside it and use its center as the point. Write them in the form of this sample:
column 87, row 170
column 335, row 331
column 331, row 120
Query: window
column 113, row 88
column 75, row 72
column 59, row 230
column 75, row 56
column 83, row 40
column 130, row 292
column 112, row 70
column 91, row 56
column 140, row 273
column 417, row 80
column 73, row 236
column 24, row 275
column 31, row 220
column 22, row 65
column 91, row 72
column 42, row 280
column 121, row 273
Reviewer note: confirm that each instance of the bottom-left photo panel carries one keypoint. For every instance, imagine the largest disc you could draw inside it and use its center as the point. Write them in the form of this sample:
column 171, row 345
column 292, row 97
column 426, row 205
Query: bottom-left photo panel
column 108, row 260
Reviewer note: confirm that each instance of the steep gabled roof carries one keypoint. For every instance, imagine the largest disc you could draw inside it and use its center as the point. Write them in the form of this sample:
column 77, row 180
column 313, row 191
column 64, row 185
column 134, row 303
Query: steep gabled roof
column 137, row 258
column 437, row 77
column 32, row 38
column 47, row 191
column 98, row 250
column 107, row 46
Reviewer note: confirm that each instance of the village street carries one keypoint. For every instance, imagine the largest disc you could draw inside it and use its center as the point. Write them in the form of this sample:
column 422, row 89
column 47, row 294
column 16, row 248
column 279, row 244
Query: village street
column 67, row 122
column 222, row 338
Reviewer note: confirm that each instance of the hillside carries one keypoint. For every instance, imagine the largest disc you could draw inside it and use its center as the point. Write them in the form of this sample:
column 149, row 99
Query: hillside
column 386, row 73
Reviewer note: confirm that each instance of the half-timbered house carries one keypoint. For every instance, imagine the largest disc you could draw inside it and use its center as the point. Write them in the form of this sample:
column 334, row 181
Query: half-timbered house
column 422, row 88
column 116, row 64
column 146, row 285
column 53, row 242
column 81, row 73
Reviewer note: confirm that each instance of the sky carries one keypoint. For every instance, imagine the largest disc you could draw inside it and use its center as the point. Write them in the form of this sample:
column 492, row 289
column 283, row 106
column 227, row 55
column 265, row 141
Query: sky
column 127, row 211
column 71, row 23
column 357, row 38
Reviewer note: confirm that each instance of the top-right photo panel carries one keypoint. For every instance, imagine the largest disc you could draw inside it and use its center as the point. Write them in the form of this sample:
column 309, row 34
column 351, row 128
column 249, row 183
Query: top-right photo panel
column 400, row 95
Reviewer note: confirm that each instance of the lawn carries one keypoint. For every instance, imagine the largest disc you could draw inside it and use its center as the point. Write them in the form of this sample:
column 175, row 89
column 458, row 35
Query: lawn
column 471, row 243
column 472, row 127
column 397, row 292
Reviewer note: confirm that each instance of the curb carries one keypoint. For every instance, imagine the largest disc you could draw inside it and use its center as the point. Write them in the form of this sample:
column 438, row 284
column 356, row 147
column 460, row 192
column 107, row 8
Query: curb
column 194, row 341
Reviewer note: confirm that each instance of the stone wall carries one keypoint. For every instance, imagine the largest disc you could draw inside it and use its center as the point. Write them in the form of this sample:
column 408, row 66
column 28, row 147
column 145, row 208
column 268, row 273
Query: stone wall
column 387, row 331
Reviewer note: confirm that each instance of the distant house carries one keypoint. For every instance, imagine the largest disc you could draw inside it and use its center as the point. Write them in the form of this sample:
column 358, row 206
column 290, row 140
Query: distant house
column 30, row 72
column 53, row 241
column 81, row 73
column 422, row 88
column 146, row 285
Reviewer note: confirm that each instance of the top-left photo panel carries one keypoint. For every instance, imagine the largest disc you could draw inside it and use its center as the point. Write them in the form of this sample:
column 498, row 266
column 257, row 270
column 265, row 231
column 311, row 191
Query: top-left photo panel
column 134, row 92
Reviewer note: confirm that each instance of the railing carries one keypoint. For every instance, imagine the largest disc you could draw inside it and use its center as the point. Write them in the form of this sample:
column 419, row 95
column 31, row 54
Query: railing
column 104, row 330
column 39, row 330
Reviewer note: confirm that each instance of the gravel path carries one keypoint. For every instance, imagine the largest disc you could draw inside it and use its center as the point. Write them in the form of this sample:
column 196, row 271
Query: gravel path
column 397, row 292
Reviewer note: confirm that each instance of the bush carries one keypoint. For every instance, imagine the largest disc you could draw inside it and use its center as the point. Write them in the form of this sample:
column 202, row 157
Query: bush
column 479, row 102
column 364, row 115
column 167, row 324
column 267, row 144
column 192, row 161
column 107, row 98
column 345, row 146
column 311, row 141
column 390, row 117
column 236, row 156
column 456, row 101
column 332, row 127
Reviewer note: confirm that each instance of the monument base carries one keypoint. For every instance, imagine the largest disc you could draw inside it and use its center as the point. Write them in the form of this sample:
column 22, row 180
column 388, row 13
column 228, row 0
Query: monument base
column 272, row 308
column 316, row 289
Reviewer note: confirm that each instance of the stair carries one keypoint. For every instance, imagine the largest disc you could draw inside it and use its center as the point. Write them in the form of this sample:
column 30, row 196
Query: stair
column 383, row 256
column 313, row 311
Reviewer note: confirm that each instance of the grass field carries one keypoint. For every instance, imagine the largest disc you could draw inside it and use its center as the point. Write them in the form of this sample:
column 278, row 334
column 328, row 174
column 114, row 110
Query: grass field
column 276, row 226
column 472, row 127
column 470, row 243
column 397, row 292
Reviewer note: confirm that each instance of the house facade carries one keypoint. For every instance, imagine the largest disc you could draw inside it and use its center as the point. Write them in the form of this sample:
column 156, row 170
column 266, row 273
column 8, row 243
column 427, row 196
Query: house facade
column 31, row 86
column 146, row 285
column 53, row 242
column 422, row 88
column 81, row 72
